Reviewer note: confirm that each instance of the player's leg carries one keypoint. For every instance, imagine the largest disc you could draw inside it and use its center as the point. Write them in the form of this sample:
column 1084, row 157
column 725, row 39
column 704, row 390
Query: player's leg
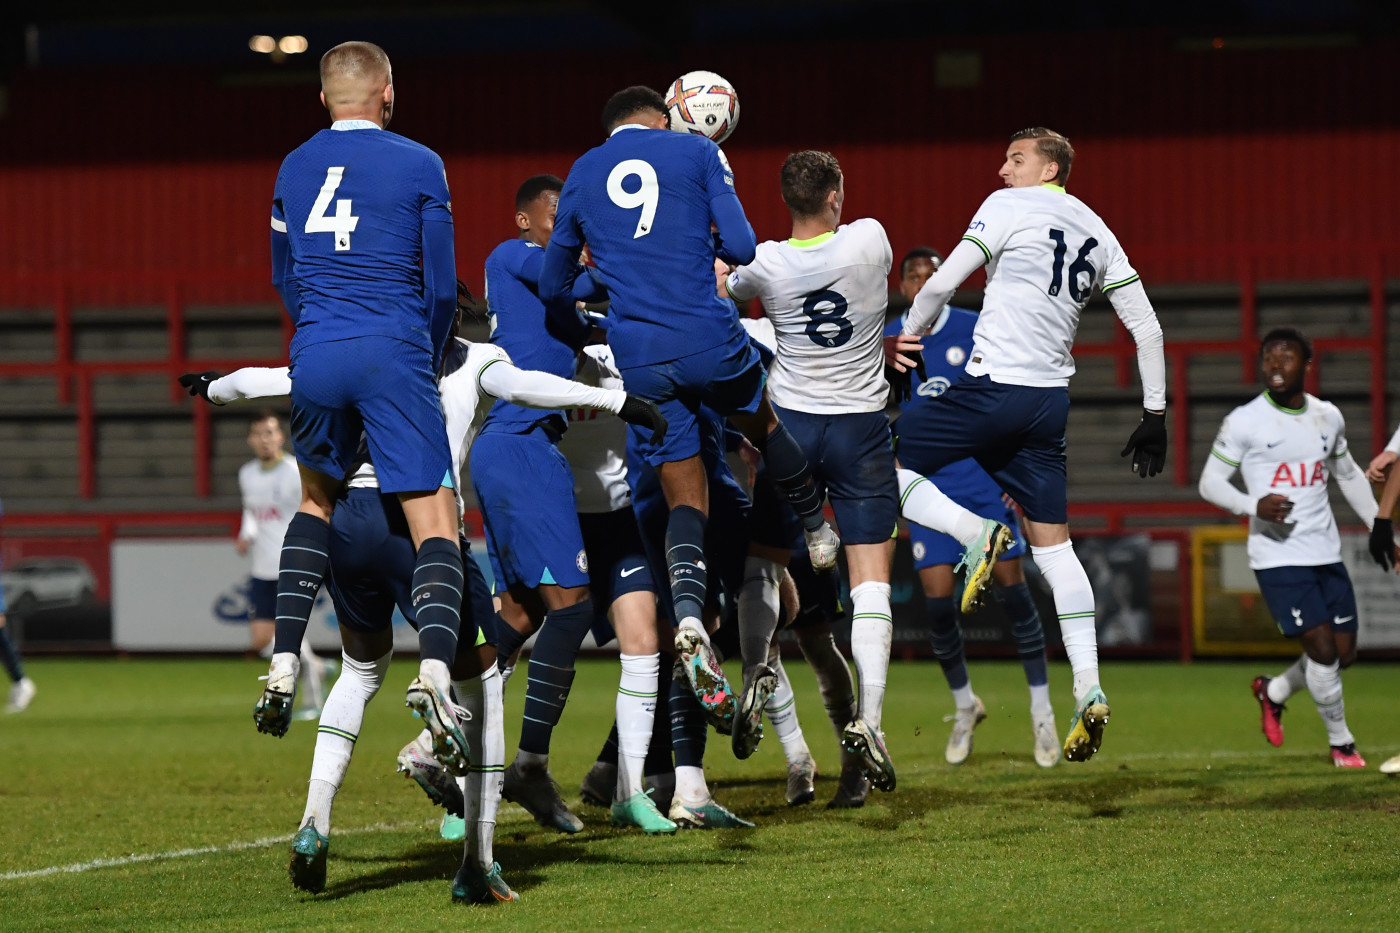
column 1029, row 634
column 633, row 617
column 934, row 555
column 1273, row 693
column 1335, row 588
column 781, row 708
column 21, row 688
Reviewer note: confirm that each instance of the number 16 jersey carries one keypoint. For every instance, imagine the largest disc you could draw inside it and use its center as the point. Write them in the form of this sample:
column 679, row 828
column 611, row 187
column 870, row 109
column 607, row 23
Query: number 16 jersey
column 1045, row 252
column 826, row 298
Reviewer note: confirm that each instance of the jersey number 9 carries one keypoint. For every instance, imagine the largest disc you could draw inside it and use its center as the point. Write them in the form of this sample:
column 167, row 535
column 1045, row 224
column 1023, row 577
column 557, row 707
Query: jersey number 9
column 645, row 197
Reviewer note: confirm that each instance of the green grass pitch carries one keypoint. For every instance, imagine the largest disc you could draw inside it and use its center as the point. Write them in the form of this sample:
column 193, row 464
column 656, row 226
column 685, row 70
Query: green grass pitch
column 1187, row 820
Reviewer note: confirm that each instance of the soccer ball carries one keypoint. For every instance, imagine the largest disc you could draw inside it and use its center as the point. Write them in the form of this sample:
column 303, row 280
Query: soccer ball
column 702, row 102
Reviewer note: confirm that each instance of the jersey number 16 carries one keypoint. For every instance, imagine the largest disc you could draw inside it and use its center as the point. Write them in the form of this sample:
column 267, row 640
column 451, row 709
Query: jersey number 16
column 1081, row 265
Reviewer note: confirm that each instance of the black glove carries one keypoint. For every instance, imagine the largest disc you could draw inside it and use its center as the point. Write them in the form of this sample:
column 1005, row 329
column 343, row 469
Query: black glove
column 644, row 414
column 902, row 383
column 1383, row 543
column 198, row 383
column 1148, row 445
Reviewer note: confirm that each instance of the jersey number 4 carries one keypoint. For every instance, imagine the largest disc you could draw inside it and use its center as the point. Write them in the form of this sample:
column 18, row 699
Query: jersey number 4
column 1081, row 265
column 340, row 224
column 645, row 197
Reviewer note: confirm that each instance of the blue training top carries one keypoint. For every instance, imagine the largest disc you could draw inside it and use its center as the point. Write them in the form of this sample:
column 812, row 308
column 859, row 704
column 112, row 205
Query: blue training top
column 354, row 211
column 644, row 202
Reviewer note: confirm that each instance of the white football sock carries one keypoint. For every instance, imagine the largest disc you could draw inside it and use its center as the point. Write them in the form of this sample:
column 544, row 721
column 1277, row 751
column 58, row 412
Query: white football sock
column 636, row 715
column 1040, row 698
column 1325, row 685
column 872, row 630
column 781, row 708
column 690, row 785
column 468, row 696
column 962, row 696
column 833, row 678
column 923, row 503
column 492, row 765
column 1074, row 604
column 758, row 611
column 1289, row 682
column 313, row 675
column 341, row 718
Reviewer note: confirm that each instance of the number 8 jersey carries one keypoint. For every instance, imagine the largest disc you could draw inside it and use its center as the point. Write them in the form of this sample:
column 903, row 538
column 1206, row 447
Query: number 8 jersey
column 1045, row 252
column 826, row 298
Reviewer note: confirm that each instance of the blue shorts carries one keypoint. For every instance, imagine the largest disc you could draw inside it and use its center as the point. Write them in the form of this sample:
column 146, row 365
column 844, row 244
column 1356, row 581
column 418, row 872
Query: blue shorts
column 852, row 463
column 371, row 572
column 617, row 564
column 1017, row 434
column 378, row 387
column 969, row 486
column 1302, row 598
column 728, row 379
column 726, row 531
column 525, row 490
column 262, row 599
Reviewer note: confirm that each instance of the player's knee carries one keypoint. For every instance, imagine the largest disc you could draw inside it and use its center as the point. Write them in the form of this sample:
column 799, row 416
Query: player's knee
column 1320, row 648
column 1346, row 658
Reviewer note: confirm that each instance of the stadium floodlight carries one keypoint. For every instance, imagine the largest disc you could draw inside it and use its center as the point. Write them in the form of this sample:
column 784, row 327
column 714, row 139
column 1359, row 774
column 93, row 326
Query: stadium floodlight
column 263, row 44
column 291, row 45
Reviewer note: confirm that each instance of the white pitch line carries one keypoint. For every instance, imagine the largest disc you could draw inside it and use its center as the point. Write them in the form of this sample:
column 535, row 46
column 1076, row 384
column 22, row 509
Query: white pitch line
column 137, row 859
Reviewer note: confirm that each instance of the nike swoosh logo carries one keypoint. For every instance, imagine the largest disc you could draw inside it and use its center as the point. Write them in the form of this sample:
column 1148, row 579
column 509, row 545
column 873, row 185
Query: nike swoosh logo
column 1274, row 444
column 628, row 573
column 1342, row 620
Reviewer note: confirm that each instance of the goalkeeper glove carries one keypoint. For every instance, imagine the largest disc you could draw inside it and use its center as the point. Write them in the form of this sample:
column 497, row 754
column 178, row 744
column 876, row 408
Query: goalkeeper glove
column 1148, row 445
column 198, row 383
column 644, row 414
column 1383, row 543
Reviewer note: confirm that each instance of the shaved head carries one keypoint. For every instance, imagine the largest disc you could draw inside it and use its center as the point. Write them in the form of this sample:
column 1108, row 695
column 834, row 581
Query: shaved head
column 356, row 80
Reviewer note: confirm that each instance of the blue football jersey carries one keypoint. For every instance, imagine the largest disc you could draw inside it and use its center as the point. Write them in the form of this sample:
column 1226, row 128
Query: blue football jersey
column 644, row 202
column 356, row 206
column 945, row 355
column 523, row 326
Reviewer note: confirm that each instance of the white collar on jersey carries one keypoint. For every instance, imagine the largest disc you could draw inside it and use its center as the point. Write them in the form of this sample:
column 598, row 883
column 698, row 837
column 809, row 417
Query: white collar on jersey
column 627, row 126
column 355, row 125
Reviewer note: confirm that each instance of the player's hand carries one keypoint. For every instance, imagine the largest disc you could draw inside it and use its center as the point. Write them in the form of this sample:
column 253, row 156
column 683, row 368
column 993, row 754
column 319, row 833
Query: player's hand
column 198, row 383
column 905, row 352
column 1274, row 508
column 241, row 546
column 1148, row 445
column 1382, row 543
column 1380, row 466
column 644, row 414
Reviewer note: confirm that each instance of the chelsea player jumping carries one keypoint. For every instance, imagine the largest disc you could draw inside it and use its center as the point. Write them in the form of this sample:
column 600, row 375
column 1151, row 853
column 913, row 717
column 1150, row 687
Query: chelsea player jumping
column 354, row 210
column 645, row 202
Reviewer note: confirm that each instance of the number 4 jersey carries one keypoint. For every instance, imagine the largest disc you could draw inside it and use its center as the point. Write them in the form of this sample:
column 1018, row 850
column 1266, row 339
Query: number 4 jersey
column 826, row 298
column 353, row 202
column 1045, row 252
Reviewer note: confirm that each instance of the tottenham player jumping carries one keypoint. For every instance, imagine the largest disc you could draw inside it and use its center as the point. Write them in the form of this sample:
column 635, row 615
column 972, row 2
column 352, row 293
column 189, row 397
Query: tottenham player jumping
column 945, row 352
column 1286, row 443
column 1045, row 252
column 355, row 210
column 645, row 202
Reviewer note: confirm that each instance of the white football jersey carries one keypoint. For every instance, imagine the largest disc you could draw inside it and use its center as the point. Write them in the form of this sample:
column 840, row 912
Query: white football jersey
column 464, row 406
column 1046, row 252
column 1279, row 450
column 270, row 498
column 826, row 298
column 596, row 443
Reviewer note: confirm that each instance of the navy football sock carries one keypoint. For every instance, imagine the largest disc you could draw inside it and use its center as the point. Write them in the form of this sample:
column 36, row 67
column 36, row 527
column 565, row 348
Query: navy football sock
column 608, row 756
column 551, row 673
column 305, row 558
column 685, row 557
column 788, row 466
column 659, row 751
column 688, row 726
column 437, row 599
column 10, row 657
column 947, row 640
column 1026, row 627
column 508, row 642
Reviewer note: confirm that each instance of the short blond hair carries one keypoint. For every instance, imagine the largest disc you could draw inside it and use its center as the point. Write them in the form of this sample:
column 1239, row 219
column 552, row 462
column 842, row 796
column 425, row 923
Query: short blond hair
column 1052, row 146
column 355, row 61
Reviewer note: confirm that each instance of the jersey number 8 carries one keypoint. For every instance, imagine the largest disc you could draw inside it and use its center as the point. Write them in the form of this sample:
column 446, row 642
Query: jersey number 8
column 827, row 317
column 645, row 197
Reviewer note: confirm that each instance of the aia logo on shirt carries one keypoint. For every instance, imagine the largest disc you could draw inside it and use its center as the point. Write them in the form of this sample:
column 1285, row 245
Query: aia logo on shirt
column 269, row 514
column 1284, row 475
column 581, row 414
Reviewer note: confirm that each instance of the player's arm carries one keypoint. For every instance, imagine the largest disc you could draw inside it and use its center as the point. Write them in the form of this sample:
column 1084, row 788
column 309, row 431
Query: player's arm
column 439, row 258
column 1215, row 486
column 1382, row 544
column 735, row 242
column 531, row 389
column 1148, row 444
column 246, row 383
column 1356, row 489
column 931, row 303
column 248, row 529
column 1376, row 469
column 283, row 278
column 562, row 318
column 558, row 274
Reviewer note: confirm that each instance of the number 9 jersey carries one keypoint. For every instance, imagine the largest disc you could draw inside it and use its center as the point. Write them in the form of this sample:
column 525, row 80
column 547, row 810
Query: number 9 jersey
column 1045, row 252
column 826, row 297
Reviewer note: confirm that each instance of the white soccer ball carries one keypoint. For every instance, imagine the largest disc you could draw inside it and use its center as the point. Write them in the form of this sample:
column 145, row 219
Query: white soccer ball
column 703, row 102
